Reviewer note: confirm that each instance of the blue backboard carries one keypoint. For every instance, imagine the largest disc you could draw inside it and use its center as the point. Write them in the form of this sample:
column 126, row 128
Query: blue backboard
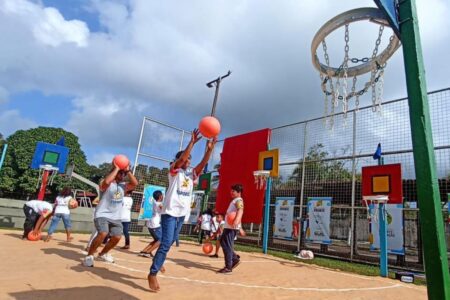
column 389, row 7
column 50, row 154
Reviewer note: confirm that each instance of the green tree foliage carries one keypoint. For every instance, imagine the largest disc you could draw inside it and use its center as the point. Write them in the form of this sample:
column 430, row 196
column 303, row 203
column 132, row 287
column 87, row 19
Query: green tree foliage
column 18, row 177
column 151, row 175
column 318, row 169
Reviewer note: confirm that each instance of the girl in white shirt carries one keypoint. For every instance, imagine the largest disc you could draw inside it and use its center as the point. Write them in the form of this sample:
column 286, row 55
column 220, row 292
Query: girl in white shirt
column 61, row 212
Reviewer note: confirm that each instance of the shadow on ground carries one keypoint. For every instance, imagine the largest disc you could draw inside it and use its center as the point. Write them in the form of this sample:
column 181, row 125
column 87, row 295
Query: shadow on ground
column 85, row 293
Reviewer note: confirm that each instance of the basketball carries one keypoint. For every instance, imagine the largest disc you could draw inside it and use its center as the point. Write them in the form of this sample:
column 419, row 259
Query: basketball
column 73, row 203
column 230, row 217
column 33, row 237
column 121, row 161
column 209, row 127
column 207, row 248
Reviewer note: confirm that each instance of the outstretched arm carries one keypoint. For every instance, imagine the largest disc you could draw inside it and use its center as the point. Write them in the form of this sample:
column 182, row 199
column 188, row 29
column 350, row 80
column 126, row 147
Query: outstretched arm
column 210, row 146
column 195, row 137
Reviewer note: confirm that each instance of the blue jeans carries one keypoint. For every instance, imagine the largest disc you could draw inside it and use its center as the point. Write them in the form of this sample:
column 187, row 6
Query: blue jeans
column 171, row 227
column 126, row 233
column 55, row 221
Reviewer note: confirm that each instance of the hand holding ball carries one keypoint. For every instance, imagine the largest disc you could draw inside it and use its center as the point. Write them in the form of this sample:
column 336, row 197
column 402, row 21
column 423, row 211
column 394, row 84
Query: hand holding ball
column 231, row 216
column 209, row 127
column 121, row 161
column 34, row 237
column 73, row 203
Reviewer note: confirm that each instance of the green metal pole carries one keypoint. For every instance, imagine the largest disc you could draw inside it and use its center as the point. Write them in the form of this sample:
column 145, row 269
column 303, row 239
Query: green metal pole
column 432, row 223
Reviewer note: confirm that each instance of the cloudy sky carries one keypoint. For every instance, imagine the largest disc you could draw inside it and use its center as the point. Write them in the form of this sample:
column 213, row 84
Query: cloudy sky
column 97, row 67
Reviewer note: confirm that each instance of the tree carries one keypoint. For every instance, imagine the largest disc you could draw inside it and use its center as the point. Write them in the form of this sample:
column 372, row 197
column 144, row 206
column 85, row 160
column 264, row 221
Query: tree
column 18, row 177
column 318, row 169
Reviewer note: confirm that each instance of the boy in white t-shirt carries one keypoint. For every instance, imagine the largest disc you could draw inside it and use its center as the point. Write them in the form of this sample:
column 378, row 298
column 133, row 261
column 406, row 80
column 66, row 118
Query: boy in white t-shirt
column 154, row 224
column 37, row 213
column 126, row 218
column 177, row 201
column 231, row 230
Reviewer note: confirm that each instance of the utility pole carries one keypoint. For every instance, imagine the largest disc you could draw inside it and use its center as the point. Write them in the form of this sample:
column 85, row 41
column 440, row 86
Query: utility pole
column 216, row 82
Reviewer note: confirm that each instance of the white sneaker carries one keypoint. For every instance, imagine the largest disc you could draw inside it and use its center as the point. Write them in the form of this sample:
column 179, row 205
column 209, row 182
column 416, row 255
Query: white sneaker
column 106, row 257
column 88, row 261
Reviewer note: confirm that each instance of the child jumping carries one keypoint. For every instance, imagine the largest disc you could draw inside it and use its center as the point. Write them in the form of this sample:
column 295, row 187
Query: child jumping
column 231, row 230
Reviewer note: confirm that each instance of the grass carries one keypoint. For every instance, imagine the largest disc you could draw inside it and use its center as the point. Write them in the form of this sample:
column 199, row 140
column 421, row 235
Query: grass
column 335, row 264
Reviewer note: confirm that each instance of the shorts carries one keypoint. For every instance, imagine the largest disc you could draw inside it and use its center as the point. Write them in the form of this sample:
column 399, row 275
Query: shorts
column 113, row 227
column 156, row 233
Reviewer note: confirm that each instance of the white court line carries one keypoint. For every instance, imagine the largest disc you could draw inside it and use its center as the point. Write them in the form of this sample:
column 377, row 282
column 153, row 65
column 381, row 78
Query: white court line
column 370, row 278
column 220, row 261
column 261, row 286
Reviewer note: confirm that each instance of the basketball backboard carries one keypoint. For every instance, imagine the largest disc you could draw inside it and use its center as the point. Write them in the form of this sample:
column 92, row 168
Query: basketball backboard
column 383, row 180
column 50, row 154
column 389, row 7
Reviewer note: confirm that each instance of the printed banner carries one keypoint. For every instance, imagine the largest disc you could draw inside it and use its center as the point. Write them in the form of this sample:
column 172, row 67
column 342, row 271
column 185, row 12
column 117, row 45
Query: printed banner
column 284, row 214
column 146, row 211
column 196, row 206
column 394, row 229
column 319, row 211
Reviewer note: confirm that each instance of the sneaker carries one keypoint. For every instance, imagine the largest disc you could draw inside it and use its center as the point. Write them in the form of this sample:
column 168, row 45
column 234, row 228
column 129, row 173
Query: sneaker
column 88, row 261
column 148, row 255
column 224, row 271
column 236, row 262
column 214, row 256
column 106, row 257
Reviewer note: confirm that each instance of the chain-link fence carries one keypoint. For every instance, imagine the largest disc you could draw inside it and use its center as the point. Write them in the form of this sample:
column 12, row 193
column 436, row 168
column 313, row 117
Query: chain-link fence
column 318, row 162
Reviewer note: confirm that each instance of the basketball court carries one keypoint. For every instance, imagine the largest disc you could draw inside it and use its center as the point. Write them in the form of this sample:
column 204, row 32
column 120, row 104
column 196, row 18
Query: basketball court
column 38, row 270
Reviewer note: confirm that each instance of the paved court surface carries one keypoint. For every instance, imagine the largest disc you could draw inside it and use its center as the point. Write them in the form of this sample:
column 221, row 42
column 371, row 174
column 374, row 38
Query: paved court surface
column 38, row 270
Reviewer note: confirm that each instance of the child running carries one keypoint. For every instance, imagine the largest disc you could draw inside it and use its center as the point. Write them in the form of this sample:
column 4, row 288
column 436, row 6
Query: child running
column 154, row 225
column 230, row 230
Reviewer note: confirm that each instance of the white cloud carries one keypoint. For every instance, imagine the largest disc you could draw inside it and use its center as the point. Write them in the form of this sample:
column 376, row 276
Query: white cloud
column 47, row 24
column 101, row 157
column 154, row 58
column 11, row 121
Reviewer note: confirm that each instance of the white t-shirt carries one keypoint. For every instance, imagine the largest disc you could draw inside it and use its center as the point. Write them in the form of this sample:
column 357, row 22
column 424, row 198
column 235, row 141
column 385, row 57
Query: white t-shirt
column 177, row 202
column 155, row 220
column 216, row 225
column 234, row 207
column 40, row 206
column 110, row 205
column 62, row 205
column 126, row 209
column 206, row 222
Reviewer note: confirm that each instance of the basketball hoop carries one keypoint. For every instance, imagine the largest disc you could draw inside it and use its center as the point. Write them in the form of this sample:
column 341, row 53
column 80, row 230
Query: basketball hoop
column 376, row 201
column 52, row 171
column 335, row 79
column 261, row 178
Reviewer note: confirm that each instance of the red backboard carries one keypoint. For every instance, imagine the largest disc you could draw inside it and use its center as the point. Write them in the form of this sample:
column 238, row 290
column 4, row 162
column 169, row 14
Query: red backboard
column 383, row 180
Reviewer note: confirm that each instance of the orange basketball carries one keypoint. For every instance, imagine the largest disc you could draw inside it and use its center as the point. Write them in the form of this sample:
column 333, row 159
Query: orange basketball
column 207, row 248
column 230, row 217
column 121, row 161
column 73, row 203
column 33, row 237
column 209, row 127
